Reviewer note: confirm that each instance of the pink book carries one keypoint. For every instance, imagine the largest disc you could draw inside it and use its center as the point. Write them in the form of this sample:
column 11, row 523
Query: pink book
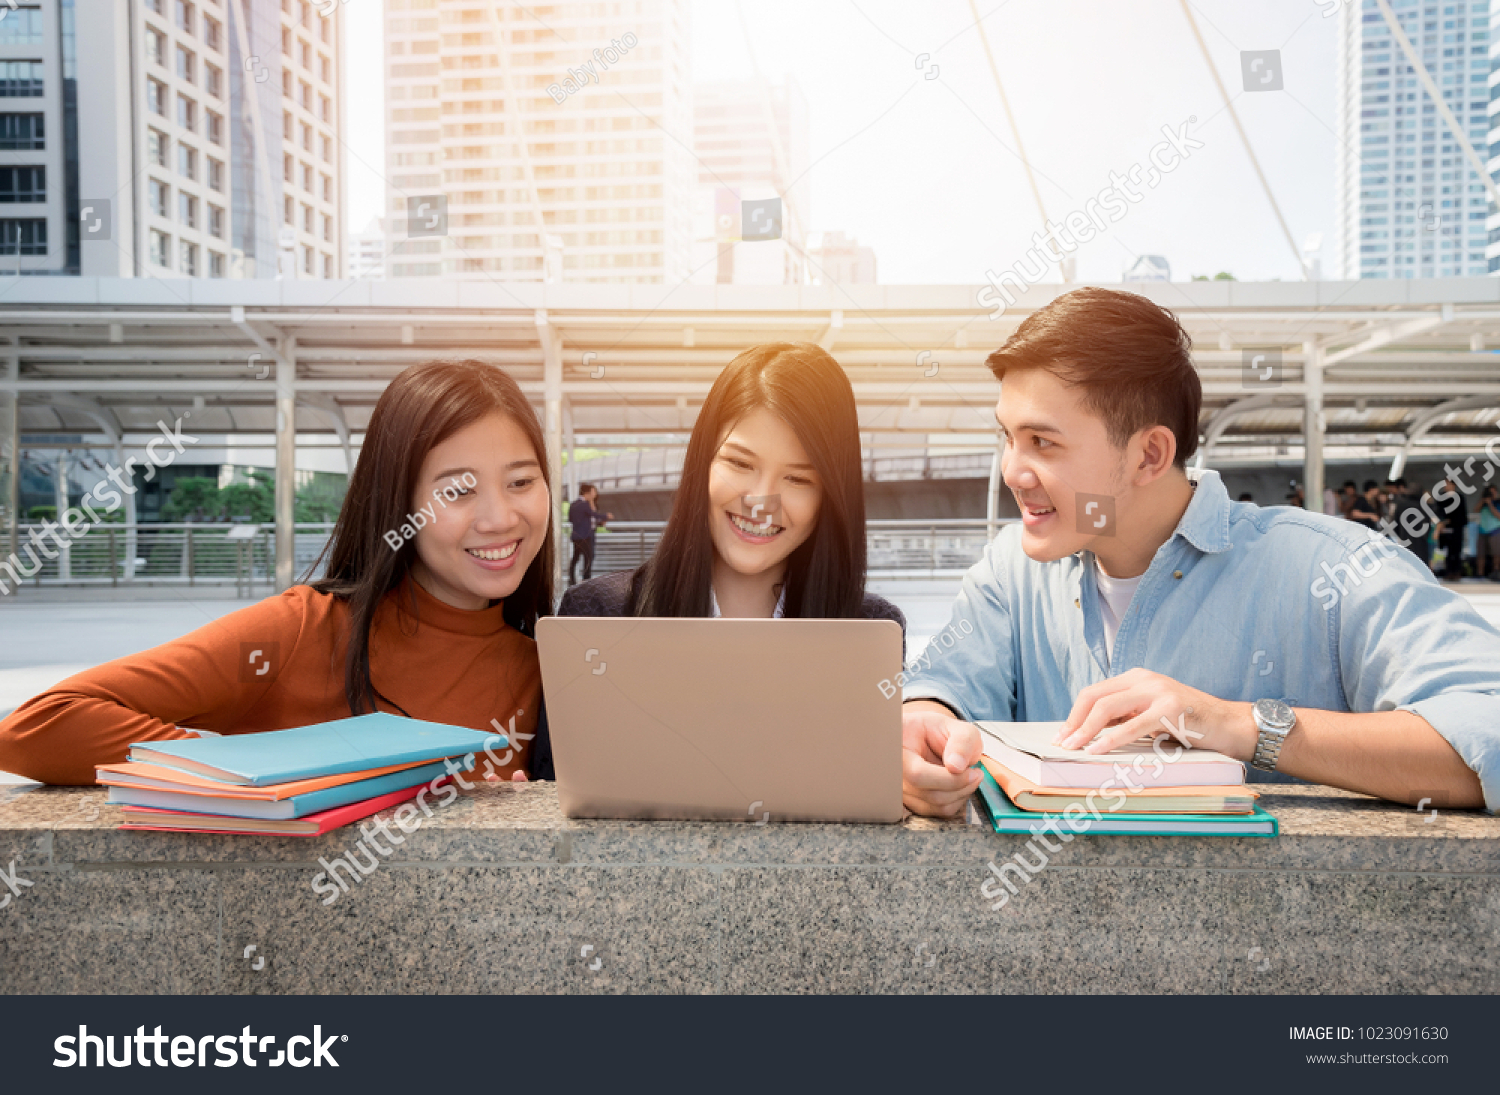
column 147, row 818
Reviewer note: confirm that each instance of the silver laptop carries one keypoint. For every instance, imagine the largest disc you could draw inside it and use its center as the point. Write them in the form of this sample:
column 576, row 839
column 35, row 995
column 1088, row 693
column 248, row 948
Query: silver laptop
column 755, row 720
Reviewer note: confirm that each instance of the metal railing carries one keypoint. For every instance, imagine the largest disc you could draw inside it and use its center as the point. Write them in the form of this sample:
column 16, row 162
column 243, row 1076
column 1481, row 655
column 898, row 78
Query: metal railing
column 157, row 554
column 895, row 549
column 245, row 555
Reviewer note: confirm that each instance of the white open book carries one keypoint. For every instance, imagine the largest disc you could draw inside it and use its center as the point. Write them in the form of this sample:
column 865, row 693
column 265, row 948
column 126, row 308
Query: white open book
column 1026, row 748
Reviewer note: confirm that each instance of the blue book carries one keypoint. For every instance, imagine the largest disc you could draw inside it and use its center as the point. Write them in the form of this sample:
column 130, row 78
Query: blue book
column 325, row 749
column 1007, row 817
column 282, row 809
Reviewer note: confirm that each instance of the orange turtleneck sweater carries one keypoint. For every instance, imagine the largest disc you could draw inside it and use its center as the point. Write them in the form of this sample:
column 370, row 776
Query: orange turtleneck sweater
column 430, row 660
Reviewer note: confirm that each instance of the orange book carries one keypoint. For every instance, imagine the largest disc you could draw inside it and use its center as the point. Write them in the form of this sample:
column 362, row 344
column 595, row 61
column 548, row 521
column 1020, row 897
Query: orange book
column 146, row 818
column 157, row 777
column 1229, row 799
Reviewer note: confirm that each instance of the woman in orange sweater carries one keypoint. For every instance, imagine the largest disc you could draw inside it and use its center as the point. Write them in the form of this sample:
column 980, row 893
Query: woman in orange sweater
column 438, row 568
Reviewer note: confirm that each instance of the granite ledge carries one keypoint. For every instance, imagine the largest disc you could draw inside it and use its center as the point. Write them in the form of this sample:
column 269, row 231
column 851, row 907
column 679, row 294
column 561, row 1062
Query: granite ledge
column 1322, row 829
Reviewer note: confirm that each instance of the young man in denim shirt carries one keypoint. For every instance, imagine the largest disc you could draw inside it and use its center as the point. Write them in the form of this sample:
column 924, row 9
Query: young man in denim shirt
column 1132, row 598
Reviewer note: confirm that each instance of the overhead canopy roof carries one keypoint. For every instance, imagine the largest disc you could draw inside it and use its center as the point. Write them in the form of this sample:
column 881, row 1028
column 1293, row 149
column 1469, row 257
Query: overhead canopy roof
column 639, row 359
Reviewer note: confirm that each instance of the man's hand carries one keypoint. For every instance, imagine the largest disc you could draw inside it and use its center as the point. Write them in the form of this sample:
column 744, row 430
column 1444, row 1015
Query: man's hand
column 1138, row 703
column 938, row 754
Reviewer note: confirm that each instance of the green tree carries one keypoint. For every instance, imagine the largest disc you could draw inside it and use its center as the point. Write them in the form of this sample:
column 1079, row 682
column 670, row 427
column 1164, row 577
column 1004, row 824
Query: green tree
column 254, row 501
column 194, row 498
column 322, row 498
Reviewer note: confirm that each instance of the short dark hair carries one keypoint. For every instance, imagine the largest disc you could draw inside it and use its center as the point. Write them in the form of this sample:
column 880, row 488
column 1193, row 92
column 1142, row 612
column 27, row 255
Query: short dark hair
column 584, row 488
column 1348, row 485
column 1130, row 356
column 1370, row 485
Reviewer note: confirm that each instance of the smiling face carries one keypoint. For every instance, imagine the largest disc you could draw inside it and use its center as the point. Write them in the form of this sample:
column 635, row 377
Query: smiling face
column 761, row 458
column 1055, row 450
column 487, row 506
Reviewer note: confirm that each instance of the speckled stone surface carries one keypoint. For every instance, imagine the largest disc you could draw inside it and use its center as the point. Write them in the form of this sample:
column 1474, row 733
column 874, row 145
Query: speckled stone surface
column 498, row 892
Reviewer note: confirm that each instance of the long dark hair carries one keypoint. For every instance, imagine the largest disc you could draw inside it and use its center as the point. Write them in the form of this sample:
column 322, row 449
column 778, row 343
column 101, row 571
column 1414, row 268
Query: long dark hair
column 825, row 577
column 422, row 407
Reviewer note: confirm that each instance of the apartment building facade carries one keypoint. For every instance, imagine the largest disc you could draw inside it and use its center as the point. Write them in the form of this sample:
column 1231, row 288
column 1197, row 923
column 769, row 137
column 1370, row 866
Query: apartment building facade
column 172, row 138
column 1409, row 203
column 547, row 144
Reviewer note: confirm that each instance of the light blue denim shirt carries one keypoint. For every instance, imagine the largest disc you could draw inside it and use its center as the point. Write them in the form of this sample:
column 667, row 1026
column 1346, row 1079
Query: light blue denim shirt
column 1242, row 602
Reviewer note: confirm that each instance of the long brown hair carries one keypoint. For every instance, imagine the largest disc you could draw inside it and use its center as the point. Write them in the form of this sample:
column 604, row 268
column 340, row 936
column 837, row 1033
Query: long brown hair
column 422, row 407
column 804, row 386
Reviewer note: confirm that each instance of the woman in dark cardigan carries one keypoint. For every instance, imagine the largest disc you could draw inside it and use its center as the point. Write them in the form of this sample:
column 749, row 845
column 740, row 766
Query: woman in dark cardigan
column 769, row 517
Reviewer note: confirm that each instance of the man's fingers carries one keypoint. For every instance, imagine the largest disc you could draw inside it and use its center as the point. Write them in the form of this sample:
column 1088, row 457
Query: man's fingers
column 518, row 777
column 931, row 789
column 1125, row 733
column 1120, row 705
column 926, row 778
column 1090, row 696
column 934, row 809
column 963, row 748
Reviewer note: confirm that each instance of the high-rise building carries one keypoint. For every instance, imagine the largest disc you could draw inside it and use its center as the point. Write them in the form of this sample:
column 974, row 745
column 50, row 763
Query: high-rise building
column 171, row 138
column 1148, row 268
column 1409, row 202
column 545, row 144
column 367, row 251
column 752, row 145
column 838, row 259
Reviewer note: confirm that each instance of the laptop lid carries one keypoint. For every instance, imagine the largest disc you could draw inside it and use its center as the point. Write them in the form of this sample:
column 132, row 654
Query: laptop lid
column 780, row 720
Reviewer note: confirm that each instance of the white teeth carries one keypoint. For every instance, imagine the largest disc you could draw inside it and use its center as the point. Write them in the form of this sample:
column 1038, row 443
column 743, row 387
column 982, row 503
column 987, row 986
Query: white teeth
column 492, row 556
column 752, row 528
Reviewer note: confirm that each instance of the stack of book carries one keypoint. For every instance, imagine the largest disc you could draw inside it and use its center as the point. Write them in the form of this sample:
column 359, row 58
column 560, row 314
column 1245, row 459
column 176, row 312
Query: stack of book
column 1138, row 788
column 301, row 782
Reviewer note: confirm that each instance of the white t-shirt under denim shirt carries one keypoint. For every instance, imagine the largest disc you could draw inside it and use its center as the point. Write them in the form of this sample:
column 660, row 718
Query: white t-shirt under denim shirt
column 1114, row 599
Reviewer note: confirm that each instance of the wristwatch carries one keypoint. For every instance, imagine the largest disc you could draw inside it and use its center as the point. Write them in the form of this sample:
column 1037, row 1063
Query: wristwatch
column 1274, row 720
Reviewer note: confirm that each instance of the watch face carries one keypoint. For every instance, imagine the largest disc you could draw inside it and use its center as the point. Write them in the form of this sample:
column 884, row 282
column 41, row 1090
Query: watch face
column 1275, row 714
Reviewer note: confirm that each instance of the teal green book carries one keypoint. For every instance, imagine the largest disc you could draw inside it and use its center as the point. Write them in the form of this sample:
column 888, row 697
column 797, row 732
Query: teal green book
column 1007, row 817
column 286, row 808
column 324, row 749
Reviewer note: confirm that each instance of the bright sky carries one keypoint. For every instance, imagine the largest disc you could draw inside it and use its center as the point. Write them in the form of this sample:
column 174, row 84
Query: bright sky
column 925, row 170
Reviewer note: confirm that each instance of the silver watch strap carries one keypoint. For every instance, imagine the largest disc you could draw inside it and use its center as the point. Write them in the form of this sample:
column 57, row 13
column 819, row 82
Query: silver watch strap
column 1267, row 750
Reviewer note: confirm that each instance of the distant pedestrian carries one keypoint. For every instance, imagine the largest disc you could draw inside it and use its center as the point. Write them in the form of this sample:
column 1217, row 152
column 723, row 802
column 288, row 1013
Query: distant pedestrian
column 584, row 518
column 1487, row 560
column 1348, row 494
column 1412, row 523
column 1367, row 507
column 1451, row 533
